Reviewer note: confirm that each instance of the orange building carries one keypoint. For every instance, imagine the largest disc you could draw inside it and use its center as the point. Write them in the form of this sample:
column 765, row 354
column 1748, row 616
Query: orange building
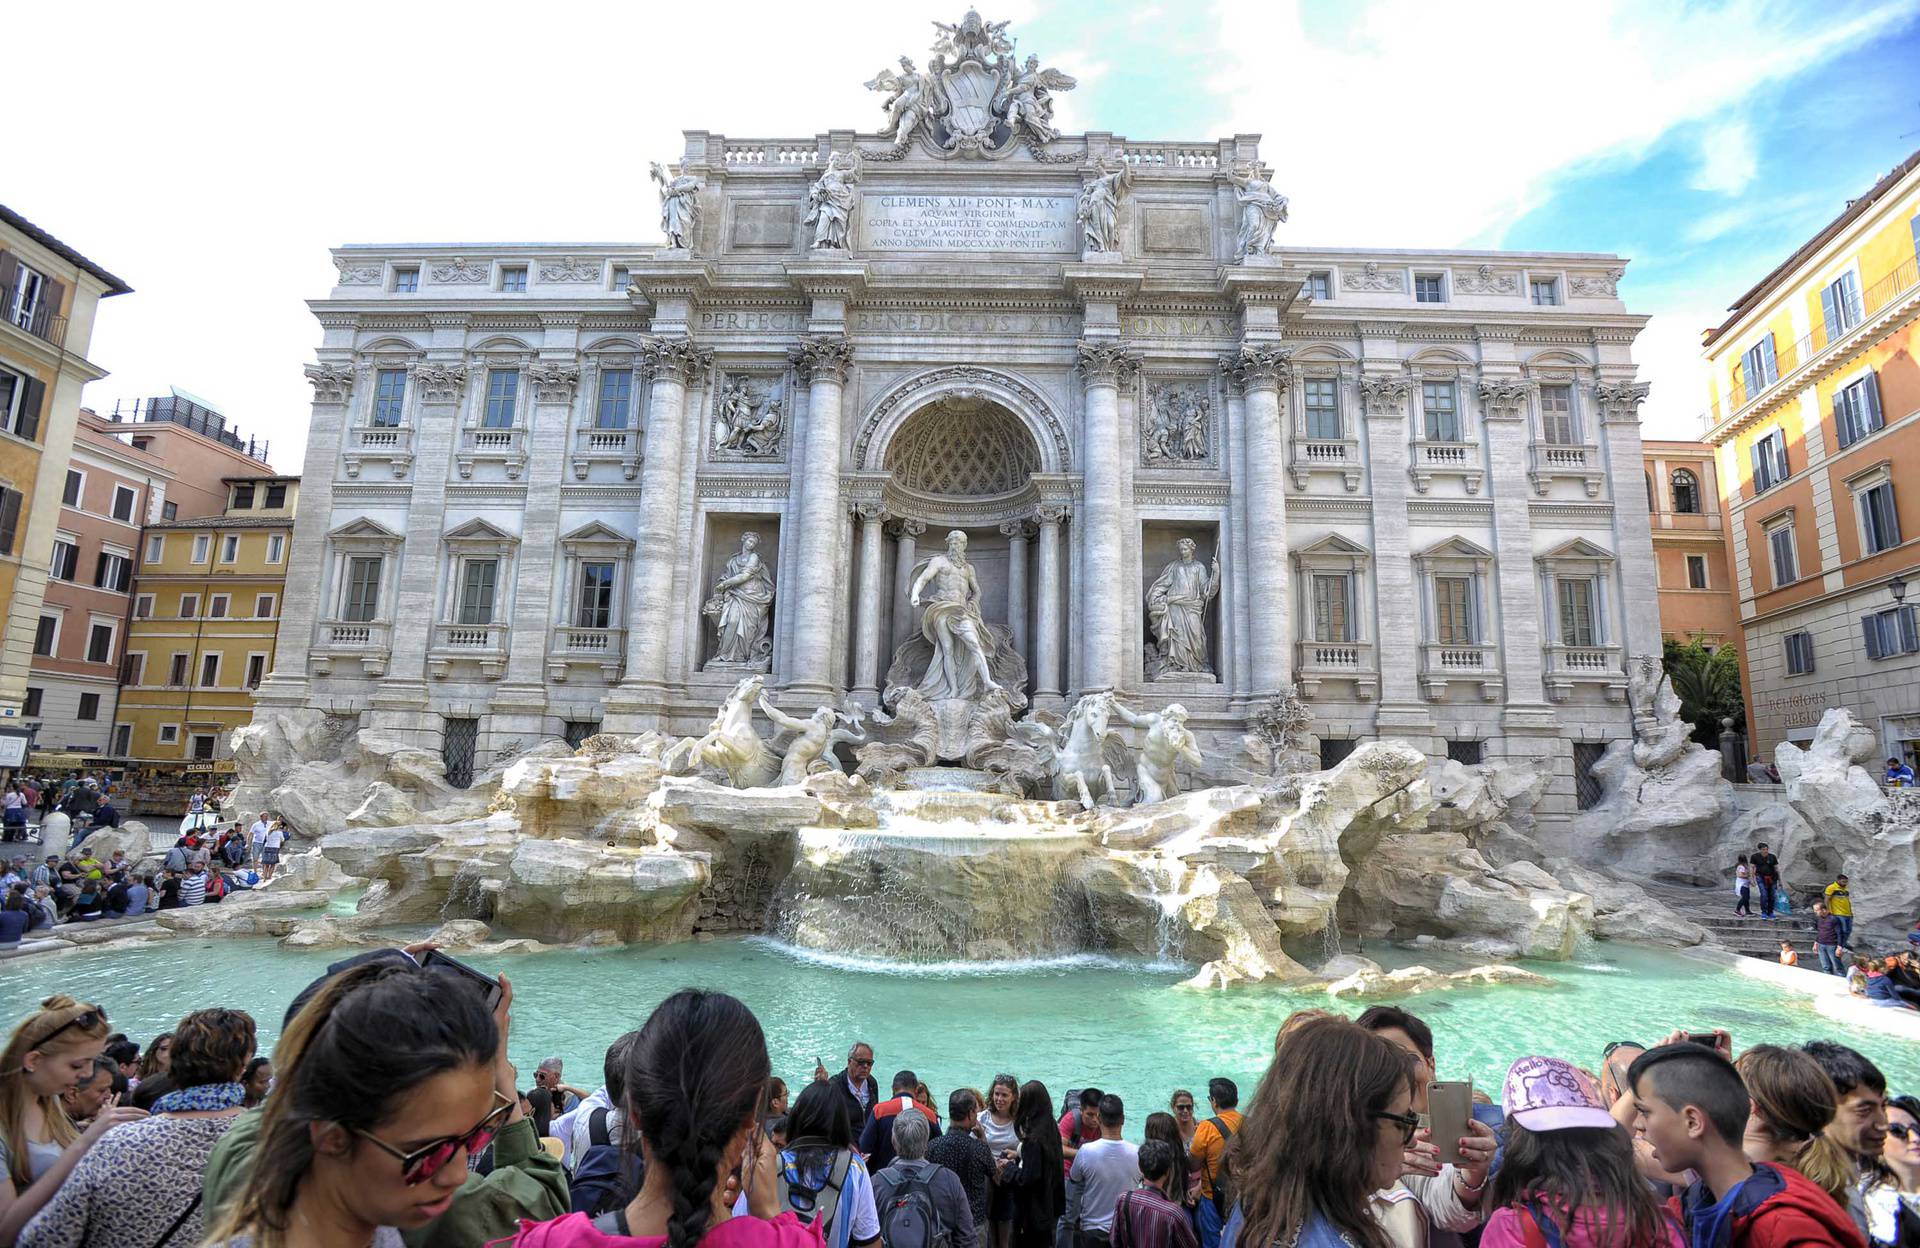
column 1692, row 569
column 1815, row 421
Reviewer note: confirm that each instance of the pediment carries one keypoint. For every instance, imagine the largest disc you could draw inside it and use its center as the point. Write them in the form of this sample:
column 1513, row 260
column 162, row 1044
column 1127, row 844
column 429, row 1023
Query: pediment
column 596, row 533
column 1335, row 544
column 478, row 530
column 363, row 529
column 1455, row 548
column 1578, row 548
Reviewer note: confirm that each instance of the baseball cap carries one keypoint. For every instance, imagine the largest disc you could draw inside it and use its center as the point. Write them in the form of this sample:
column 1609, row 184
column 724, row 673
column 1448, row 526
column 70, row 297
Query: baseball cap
column 1547, row 1094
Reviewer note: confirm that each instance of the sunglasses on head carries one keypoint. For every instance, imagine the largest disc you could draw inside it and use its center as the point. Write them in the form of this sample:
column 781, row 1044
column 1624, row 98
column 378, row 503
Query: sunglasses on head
column 1409, row 1123
column 426, row 1161
column 93, row 1017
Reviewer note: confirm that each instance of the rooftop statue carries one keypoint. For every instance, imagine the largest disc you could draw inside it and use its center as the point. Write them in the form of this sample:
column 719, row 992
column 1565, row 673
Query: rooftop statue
column 679, row 204
column 973, row 98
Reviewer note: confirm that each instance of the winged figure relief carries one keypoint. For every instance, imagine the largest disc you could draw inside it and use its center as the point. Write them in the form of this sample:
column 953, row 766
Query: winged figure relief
column 912, row 99
column 1024, row 99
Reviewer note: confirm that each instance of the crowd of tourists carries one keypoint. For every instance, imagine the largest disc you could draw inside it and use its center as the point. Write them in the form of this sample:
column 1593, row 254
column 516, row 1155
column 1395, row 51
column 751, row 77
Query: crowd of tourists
column 1889, row 978
column 390, row 1115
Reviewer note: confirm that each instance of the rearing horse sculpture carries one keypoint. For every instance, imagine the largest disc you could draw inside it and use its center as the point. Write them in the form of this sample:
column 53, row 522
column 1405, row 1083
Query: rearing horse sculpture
column 1086, row 752
column 731, row 742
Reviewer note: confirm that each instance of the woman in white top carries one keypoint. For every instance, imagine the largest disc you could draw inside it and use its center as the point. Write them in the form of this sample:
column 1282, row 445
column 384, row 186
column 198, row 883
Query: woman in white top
column 1743, row 887
column 997, row 1129
column 197, row 816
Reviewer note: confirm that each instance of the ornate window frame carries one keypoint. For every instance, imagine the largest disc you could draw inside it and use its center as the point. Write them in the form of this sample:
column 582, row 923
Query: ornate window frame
column 1578, row 460
column 486, row 643
column 1601, row 662
column 368, row 640
column 1316, row 660
column 1477, row 662
column 570, row 645
column 1431, row 457
column 1307, row 454
column 589, row 444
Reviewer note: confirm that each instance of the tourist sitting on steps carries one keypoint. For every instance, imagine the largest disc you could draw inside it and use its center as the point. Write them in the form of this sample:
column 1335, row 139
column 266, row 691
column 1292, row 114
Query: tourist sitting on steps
column 920, row 1204
column 1689, row 1101
column 1787, row 956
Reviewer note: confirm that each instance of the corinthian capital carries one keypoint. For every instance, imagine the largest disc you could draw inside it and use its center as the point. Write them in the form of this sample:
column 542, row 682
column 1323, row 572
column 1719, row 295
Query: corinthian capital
column 1260, row 365
column 1385, row 394
column 1107, row 363
column 822, row 357
column 331, row 382
column 1502, row 398
column 440, row 383
column 676, row 359
column 1620, row 400
column 554, row 383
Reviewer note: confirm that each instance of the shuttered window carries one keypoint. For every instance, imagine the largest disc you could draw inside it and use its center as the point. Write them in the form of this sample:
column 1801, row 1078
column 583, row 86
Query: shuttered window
column 1758, row 369
column 1453, row 618
column 10, row 501
column 1556, row 416
column 1786, row 563
column 1769, row 461
column 1576, row 613
column 477, row 580
column 1856, row 409
column 1879, row 523
column 1332, row 608
column 1840, row 308
column 1892, row 632
column 363, row 589
column 1799, row 653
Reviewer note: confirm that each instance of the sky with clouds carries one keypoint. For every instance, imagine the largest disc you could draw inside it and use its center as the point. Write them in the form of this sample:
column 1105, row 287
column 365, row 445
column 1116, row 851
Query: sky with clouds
column 211, row 153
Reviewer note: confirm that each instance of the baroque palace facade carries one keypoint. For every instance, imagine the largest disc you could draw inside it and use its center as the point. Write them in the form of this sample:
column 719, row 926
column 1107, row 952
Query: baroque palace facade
column 533, row 470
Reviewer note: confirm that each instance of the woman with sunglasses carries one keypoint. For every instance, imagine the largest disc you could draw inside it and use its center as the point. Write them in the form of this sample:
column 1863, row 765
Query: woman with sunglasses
column 141, row 1184
column 51, row 1052
column 386, row 1084
column 1181, row 1107
column 1893, row 1197
column 1326, row 1129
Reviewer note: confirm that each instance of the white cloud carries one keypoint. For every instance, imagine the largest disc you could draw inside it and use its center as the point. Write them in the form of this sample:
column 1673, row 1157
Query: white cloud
column 1728, row 161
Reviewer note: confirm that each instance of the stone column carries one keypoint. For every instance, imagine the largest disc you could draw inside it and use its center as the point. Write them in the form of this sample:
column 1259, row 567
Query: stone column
column 1619, row 403
column 673, row 365
column 1262, row 371
column 1398, row 636
column 909, row 532
column 866, row 646
column 1046, row 648
column 1016, row 532
column 1105, row 366
column 535, row 570
column 822, row 359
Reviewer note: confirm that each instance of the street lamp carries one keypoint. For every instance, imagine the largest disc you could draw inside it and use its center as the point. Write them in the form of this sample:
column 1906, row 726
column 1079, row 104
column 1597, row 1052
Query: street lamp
column 1899, row 587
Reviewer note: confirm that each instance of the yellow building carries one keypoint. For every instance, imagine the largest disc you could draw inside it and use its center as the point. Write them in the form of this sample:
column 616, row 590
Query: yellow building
column 48, row 295
column 206, row 604
column 1815, row 422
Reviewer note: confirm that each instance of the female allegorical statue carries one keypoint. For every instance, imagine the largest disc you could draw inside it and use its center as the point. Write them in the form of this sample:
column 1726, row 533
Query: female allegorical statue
column 741, row 599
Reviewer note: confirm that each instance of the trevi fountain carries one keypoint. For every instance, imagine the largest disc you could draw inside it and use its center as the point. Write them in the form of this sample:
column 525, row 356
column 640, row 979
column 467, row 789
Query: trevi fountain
column 1318, row 646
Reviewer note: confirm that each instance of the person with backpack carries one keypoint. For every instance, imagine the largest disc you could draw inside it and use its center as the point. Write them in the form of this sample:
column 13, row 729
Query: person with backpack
column 921, row 1204
column 1568, row 1179
column 1209, row 1154
column 1079, row 1122
column 605, row 1174
column 822, row 1180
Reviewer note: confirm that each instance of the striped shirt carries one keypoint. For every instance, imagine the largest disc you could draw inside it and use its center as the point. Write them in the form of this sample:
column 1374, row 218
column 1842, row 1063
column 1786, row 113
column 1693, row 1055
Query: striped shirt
column 193, row 889
column 1145, row 1218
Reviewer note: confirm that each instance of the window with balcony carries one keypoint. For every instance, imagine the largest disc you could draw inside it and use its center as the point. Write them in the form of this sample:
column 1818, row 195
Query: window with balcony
column 76, row 485
column 1545, row 291
column 26, row 298
column 513, row 279
column 1455, row 622
column 1696, row 571
column 503, row 394
column 124, row 498
column 361, row 602
column 1769, row 461
column 177, row 669
column 1758, row 367
column 1319, row 286
column 1785, row 554
column 1440, row 410
column 1579, row 621
column 113, row 572
column 1799, row 653
column 1879, row 521
column 1856, row 409
column 595, row 606
column 46, row 635
column 479, row 578
column 242, row 497
column 616, row 399
column 1557, row 424
column 1892, row 632
column 66, row 560
column 406, row 280
column 1322, row 395
column 1840, row 308
column 1429, row 288
column 389, row 397
column 100, row 643
column 1332, row 607
column 1686, row 492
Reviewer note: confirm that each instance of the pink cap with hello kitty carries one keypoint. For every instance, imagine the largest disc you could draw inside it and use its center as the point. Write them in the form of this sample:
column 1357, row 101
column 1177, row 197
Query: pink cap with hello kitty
column 1547, row 1094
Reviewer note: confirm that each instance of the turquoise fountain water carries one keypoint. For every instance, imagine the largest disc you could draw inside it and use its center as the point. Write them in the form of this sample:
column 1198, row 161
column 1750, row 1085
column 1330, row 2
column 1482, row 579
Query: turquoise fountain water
column 1122, row 1026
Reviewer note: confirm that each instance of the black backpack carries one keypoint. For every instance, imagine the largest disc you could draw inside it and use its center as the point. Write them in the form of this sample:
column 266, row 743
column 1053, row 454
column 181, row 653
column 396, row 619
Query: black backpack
column 911, row 1218
column 1223, row 1197
column 606, row 1176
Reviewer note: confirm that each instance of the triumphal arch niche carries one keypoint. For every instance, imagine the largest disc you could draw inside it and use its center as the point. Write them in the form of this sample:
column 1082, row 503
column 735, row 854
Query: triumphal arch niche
column 1184, row 461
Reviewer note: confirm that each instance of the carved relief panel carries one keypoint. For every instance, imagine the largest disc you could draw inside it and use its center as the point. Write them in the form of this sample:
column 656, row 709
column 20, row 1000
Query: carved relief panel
column 1179, row 423
column 752, row 412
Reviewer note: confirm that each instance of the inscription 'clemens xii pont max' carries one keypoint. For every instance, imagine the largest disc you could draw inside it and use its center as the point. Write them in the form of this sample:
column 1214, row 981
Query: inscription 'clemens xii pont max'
column 894, row 222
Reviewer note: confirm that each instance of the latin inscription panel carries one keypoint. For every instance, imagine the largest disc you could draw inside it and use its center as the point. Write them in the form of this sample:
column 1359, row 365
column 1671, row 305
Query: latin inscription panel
column 901, row 222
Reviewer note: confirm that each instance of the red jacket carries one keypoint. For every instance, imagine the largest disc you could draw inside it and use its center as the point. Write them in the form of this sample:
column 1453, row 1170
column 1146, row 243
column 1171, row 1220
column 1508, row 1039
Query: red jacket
column 1777, row 1208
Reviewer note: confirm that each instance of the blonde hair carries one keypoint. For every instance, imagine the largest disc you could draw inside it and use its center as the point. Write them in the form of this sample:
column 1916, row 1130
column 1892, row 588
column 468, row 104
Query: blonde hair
column 53, row 1016
column 1795, row 1100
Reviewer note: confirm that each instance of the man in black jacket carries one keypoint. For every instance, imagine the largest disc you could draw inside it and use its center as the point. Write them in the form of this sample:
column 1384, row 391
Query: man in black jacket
column 856, row 1081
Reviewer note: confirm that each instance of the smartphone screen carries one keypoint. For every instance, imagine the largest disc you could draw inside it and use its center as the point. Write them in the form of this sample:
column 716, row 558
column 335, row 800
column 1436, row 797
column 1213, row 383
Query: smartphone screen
column 1450, row 1106
column 486, row 984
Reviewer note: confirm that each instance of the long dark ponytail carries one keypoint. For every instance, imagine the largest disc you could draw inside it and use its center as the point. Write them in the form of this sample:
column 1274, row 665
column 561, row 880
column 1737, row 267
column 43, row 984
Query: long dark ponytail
column 695, row 1077
column 369, row 1035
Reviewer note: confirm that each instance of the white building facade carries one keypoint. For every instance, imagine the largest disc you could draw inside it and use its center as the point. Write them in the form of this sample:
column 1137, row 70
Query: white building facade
column 529, row 466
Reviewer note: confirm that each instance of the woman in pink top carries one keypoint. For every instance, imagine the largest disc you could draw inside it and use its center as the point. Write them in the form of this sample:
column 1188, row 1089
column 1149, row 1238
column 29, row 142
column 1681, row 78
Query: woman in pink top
column 695, row 1079
column 1568, row 1177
